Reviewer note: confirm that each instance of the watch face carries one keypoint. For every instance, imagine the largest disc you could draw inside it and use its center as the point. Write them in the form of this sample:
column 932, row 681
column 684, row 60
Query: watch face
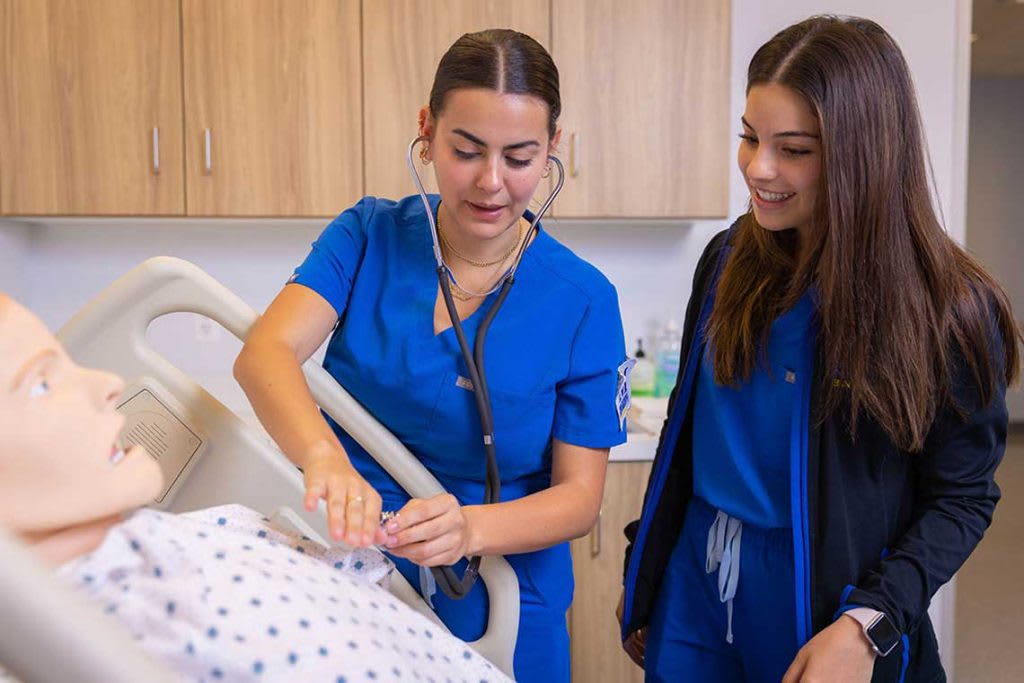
column 883, row 634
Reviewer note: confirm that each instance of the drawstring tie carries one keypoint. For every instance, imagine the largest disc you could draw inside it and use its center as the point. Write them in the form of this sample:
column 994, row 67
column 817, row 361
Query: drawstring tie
column 724, row 555
column 428, row 586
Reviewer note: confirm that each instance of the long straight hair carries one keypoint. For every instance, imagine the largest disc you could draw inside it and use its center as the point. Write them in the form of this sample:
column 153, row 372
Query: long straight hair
column 902, row 309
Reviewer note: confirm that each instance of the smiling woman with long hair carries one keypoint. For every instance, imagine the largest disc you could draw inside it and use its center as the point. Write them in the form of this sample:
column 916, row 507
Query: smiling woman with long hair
column 840, row 411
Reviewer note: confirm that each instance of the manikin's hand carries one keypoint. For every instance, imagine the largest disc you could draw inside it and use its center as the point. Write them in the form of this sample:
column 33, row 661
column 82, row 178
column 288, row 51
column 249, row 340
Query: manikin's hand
column 353, row 506
column 839, row 654
column 431, row 531
column 635, row 644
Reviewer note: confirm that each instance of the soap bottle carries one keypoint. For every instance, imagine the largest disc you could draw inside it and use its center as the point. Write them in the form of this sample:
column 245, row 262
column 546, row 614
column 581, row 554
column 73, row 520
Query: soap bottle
column 666, row 366
column 641, row 381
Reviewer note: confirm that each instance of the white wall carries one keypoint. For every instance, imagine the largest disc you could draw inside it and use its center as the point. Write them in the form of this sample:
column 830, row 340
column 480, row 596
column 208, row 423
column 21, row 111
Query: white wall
column 14, row 249
column 995, row 215
column 251, row 258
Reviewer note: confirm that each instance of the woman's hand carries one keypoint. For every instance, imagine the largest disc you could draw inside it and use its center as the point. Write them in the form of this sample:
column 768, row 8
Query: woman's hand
column 431, row 531
column 635, row 643
column 353, row 506
column 839, row 654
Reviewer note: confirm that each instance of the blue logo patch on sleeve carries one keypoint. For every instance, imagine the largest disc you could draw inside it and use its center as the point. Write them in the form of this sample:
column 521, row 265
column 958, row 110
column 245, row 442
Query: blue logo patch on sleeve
column 622, row 395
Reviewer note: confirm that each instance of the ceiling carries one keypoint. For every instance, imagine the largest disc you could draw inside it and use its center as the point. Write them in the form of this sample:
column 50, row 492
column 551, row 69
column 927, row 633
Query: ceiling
column 999, row 48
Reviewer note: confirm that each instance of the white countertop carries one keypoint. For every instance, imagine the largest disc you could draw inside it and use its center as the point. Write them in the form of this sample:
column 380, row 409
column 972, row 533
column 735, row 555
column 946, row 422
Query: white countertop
column 638, row 447
column 645, row 419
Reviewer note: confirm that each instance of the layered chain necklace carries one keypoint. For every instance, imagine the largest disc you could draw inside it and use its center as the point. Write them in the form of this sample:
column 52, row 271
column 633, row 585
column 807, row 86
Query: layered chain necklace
column 460, row 292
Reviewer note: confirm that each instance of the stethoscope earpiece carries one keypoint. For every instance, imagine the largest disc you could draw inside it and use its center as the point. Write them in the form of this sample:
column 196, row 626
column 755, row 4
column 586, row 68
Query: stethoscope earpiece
column 445, row 577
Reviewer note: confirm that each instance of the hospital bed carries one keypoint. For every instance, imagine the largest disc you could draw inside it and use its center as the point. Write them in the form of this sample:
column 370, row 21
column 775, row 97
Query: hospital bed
column 209, row 456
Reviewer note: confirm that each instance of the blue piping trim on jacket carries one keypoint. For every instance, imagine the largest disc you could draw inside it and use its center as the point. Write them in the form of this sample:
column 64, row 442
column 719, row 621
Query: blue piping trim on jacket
column 676, row 419
column 843, row 606
column 667, row 446
column 799, row 438
column 906, row 658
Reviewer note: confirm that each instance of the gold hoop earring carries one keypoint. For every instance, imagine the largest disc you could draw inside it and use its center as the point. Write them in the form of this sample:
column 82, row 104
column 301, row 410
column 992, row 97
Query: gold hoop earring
column 423, row 154
column 547, row 171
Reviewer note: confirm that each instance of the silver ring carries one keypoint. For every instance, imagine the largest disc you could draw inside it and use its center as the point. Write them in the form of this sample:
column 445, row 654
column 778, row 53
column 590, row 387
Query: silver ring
column 357, row 499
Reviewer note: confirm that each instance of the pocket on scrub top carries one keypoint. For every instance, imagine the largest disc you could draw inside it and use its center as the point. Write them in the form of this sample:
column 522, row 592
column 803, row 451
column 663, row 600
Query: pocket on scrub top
column 522, row 426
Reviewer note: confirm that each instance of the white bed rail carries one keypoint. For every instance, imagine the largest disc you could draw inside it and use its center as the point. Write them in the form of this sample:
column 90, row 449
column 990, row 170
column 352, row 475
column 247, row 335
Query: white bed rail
column 110, row 332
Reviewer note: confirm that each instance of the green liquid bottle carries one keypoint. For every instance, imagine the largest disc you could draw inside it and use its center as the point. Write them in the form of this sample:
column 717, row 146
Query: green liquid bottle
column 641, row 381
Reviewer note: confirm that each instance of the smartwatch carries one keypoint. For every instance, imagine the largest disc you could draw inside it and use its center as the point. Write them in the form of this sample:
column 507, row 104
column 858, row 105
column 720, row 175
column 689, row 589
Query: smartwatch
column 878, row 629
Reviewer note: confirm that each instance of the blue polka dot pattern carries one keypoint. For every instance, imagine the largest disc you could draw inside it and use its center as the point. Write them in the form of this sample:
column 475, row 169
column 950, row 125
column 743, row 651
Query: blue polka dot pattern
column 198, row 586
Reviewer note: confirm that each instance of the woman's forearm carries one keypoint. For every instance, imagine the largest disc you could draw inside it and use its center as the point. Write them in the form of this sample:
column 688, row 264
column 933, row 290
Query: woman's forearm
column 272, row 379
column 560, row 513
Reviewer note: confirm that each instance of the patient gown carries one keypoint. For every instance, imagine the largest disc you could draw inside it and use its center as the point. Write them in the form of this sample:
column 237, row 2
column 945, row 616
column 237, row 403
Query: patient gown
column 221, row 595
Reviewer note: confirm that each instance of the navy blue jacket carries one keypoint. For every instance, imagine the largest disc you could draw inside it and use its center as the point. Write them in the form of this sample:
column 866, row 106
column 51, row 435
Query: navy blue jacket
column 881, row 528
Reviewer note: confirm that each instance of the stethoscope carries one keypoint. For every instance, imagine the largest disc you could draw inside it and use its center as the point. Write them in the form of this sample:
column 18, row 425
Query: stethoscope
column 445, row 577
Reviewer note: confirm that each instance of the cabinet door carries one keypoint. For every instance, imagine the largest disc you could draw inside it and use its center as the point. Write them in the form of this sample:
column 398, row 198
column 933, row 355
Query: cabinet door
column 403, row 40
column 645, row 92
column 272, row 107
column 90, row 107
column 597, row 653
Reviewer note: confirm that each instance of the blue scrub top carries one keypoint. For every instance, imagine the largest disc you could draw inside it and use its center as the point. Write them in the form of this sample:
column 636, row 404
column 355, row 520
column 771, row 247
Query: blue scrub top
column 742, row 435
column 552, row 358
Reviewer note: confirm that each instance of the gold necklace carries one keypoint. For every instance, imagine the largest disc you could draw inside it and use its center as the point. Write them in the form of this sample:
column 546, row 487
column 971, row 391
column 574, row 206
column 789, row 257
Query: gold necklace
column 458, row 291
column 462, row 297
column 466, row 295
column 478, row 264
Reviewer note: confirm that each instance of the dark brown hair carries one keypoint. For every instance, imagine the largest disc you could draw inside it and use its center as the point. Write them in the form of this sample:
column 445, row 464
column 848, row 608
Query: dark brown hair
column 903, row 311
column 498, row 59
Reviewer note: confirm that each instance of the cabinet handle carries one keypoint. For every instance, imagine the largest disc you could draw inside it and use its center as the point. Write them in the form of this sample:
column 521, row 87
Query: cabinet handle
column 207, row 152
column 156, row 151
column 595, row 537
column 575, row 157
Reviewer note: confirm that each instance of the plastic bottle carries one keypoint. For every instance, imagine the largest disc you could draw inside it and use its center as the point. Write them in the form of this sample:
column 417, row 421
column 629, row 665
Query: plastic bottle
column 666, row 365
column 641, row 381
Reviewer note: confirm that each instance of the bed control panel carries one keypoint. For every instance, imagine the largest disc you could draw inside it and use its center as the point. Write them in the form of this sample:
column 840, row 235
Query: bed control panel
column 152, row 422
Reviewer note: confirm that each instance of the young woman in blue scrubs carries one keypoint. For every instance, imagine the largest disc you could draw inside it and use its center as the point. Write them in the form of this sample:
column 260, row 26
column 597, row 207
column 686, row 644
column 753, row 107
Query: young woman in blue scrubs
column 829, row 455
column 553, row 354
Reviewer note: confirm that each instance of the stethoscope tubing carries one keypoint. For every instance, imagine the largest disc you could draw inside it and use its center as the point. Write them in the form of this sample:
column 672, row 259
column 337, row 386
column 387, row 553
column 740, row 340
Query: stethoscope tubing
column 446, row 577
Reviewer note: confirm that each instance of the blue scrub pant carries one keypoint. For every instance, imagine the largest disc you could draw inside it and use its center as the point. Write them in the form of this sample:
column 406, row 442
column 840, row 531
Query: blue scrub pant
column 542, row 645
column 686, row 637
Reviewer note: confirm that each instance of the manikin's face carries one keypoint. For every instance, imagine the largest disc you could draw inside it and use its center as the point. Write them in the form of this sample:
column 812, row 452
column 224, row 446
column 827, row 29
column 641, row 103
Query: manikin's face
column 780, row 157
column 489, row 152
column 60, row 461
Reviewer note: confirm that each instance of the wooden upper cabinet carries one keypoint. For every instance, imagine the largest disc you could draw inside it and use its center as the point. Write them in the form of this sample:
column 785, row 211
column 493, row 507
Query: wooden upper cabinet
column 90, row 107
column 272, row 107
column 645, row 102
column 403, row 40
